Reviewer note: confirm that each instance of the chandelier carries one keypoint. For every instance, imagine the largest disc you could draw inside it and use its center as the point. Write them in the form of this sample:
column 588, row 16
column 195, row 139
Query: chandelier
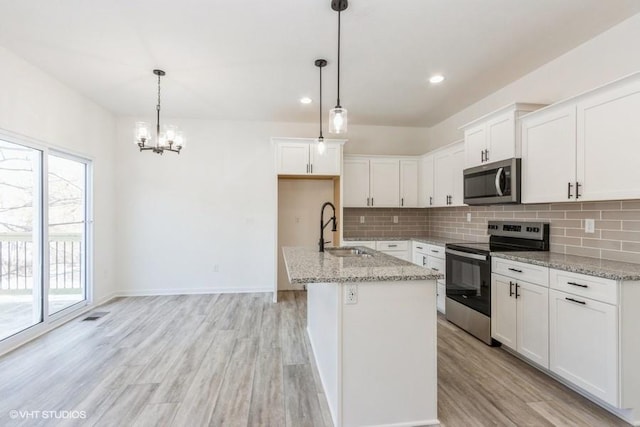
column 170, row 139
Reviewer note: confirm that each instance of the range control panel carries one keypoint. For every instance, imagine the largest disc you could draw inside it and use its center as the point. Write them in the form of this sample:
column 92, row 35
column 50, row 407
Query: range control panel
column 518, row 229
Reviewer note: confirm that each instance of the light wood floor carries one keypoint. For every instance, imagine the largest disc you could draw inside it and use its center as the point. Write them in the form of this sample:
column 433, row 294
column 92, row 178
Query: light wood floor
column 239, row 360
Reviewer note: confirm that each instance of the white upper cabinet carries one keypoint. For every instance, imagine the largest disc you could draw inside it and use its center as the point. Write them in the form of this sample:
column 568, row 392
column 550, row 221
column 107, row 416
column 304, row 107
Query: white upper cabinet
column 327, row 163
column 585, row 148
column 356, row 183
column 548, row 156
column 448, row 165
column 608, row 144
column 495, row 136
column 292, row 158
column 301, row 157
column 380, row 182
column 425, row 181
column 409, row 183
column 384, row 182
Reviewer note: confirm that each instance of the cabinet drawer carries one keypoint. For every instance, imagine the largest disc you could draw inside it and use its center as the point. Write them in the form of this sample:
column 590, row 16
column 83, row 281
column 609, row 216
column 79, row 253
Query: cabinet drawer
column 436, row 264
column 420, row 248
column 400, row 245
column 435, row 251
column 520, row 270
column 595, row 288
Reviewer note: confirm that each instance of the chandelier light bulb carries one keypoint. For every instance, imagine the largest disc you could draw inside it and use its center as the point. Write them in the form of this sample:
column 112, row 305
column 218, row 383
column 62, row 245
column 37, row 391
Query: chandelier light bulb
column 179, row 141
column 143, row 135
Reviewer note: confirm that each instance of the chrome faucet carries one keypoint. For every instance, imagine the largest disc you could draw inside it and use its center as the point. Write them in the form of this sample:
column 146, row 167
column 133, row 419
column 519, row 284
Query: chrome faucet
column 323, row 225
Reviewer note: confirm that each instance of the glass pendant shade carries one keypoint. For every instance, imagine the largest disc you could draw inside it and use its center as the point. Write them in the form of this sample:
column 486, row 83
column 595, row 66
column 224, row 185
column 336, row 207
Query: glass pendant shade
column 322, row 146
column 338, row 120
column 143, row 134
column 170, row 131
column 179, row 140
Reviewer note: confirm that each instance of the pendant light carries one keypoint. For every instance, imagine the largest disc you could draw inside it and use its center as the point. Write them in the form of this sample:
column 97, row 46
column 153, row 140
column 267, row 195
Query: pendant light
column 321, row 144
column 169, row 140
column 338, row 115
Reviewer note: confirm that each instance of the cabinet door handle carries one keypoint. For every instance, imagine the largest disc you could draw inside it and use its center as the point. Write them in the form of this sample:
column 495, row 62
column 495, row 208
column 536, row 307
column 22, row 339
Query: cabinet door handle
column 307, row 167
column 510, row 288
column 402, row 201
column 578, row 185
column 367, row 201
column 486, row 155
column 569, row 187
column 311, row 167
column 576, row 301
column 372, row 201
column 517, row 287
column 515, row 269
column 482, row 156
column 424, row 260
column 577, row 284
column 430, row 200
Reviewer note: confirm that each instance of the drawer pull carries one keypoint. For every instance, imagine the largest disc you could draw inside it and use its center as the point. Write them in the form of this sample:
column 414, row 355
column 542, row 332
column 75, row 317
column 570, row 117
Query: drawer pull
column 575, row 300
column 434, row 251
column 515, row 269
column 434, row 269
column 577, row 284
column 419, row 247
column 392, row 246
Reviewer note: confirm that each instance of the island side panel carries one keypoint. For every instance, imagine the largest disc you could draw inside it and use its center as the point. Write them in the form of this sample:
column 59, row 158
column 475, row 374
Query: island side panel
column 323, row 317
column 389, row 344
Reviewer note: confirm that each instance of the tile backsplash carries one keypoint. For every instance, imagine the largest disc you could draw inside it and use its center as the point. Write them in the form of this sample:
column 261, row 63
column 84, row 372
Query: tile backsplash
column 378, row 222
column 616, row 237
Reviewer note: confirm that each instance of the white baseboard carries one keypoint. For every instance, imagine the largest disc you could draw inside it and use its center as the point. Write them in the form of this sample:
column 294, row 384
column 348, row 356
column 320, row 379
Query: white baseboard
column 332, row 410
column 193, row 291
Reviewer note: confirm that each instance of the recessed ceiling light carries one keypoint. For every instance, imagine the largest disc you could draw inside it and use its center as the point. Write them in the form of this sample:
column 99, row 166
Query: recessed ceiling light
column 437, row 78
column 305, row 100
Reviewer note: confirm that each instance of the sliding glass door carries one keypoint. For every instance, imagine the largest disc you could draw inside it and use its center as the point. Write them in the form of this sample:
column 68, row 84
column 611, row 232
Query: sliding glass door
column 20, row 238
column 44, row 207
column 67, row 179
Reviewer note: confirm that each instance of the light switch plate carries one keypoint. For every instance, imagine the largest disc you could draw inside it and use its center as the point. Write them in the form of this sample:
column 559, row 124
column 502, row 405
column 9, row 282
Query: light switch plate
column 589, row 226
column 395, row 219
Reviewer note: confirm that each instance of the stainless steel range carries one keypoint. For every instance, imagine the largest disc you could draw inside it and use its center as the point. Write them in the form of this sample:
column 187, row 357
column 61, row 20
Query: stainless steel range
column 468, row 277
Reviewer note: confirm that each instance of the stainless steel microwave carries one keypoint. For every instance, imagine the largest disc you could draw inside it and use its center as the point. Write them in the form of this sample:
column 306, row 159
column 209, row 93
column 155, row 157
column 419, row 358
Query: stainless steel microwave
column 493, row 184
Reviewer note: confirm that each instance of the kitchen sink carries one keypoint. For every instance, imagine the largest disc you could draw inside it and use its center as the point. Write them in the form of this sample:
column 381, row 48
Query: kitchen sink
column 347, row 252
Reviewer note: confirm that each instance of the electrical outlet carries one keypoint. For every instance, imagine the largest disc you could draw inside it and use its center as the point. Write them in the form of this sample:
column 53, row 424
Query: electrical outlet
column 362, row 219
column 351, row 294
column 589, row 226
column 395, row 219
column 468, row 216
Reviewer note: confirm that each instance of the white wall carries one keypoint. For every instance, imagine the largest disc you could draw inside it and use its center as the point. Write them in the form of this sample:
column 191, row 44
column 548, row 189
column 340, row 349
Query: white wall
column 214, row 204
column 607, row 57
column 35, row 105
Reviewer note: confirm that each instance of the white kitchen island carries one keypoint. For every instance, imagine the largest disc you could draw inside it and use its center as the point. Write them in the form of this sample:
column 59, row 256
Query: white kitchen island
column 376, row 356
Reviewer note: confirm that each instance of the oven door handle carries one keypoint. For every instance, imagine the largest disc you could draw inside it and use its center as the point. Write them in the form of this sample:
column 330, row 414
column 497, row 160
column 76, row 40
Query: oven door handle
column 467, row 255
column 498, row 179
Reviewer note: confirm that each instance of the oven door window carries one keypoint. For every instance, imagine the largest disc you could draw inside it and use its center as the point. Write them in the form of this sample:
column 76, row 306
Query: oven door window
column 469, row 283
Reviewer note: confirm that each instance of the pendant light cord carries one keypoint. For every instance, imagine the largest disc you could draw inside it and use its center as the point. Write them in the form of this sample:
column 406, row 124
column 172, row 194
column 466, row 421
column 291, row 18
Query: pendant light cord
column 158, row 114
column 339, row 26
column 321, row 137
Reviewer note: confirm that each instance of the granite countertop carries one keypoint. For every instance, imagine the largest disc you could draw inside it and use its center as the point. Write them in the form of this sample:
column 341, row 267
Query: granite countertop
column 307, row 265
column 615, row 270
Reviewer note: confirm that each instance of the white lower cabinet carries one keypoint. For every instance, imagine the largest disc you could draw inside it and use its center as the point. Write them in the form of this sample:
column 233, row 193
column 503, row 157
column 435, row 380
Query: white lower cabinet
column 584, row 344
column 396, row 248
column 441, row 295
column 519, row 317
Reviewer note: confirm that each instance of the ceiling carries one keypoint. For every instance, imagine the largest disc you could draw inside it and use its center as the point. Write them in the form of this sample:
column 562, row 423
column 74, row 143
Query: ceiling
column 253, row 59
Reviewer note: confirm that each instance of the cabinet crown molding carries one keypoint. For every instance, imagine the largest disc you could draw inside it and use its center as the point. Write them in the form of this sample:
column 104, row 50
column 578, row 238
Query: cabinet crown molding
column 516, row 106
